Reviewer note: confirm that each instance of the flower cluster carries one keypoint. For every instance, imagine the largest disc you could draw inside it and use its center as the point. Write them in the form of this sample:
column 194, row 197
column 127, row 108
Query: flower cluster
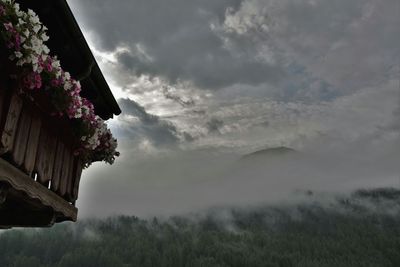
column 25, row 37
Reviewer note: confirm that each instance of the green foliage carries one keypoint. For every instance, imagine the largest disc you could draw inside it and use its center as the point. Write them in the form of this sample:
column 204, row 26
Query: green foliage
column 361, row 230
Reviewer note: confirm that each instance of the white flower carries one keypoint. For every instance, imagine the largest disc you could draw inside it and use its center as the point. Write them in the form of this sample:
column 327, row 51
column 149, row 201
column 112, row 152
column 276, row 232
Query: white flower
column 55, row 64
column 26, row 33
column 78, row 114
column 31, row 12
column 67, row 76
column 44, row 37
column 44, row 57
column 58, row 74
column 34, row 60
column 16, row 7
column 18, row 54
column 45, row 49
column 67, row 86
column 21, row 62
column 21, row 22
column 36, row 28
column 20, row 14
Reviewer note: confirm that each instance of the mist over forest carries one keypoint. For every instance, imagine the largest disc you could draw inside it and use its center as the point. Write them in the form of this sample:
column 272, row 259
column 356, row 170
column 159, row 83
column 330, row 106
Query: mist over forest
column 171, row 183
column 357, row 229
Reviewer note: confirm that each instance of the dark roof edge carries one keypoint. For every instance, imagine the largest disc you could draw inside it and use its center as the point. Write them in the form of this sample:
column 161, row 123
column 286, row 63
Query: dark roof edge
column 95, row 73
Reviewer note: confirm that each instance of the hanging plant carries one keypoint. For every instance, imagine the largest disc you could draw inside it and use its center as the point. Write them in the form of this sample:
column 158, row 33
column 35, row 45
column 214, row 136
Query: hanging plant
column 24, row 36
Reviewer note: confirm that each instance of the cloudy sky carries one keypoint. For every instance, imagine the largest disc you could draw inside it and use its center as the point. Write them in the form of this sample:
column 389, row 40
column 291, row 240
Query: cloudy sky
column 203, row 82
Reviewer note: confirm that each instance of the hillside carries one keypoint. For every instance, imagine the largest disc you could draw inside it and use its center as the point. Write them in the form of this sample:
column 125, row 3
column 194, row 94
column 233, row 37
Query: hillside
column 269, row 152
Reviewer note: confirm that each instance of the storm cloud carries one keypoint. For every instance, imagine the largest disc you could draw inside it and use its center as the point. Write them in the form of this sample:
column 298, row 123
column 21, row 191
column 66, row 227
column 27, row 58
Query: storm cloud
column 216, row 44
column 141, row 125
column 175, row 40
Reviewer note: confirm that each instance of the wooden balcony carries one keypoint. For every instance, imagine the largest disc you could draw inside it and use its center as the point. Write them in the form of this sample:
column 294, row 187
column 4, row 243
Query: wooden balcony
column 39, row 174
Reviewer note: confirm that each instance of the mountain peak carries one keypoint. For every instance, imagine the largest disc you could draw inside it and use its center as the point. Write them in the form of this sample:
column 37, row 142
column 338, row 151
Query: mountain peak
column 270, row 152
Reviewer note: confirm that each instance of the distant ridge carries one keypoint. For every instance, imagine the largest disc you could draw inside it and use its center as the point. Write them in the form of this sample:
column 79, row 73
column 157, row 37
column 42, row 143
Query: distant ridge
column 270, row 152
column 385, row 193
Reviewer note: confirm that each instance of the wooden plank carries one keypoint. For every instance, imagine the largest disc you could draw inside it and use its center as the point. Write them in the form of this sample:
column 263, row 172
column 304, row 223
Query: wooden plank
column 78, row 166
column 10, row 128
column 64, row 176
column 45, row 155
column 21, row 137
column 33, row 143
column 71, row 178
column 58, row 165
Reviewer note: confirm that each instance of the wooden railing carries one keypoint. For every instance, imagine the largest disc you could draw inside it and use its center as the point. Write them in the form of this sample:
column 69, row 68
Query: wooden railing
column 38, row 144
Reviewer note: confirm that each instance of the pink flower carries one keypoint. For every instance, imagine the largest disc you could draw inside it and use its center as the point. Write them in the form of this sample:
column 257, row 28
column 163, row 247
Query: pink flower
column 48, row 66
column 38, row 80
column 17, row 42
column 2, row 10
column 32, row 81
column 55, row 82
column 9, row 27
column 97, row 142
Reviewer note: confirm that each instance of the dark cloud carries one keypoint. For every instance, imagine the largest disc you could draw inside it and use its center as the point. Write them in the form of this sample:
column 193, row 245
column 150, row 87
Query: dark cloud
column 214, row 125
column 184, row 102
column 342, row 45
column 264, row 124
column 339, row 46
column 148, row 126
column 348, row 44
column 174, row 40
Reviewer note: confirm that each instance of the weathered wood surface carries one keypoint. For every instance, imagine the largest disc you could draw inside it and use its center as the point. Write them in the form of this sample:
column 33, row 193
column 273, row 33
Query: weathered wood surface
column 40, row 146
column 21, row 137
column 64, row 175
column 58, row 165
column 78, row 166
column 45, row 156
column 10, row 127
column 69, row 194
column 33, row 144
column 19, row 181
column 37, row 164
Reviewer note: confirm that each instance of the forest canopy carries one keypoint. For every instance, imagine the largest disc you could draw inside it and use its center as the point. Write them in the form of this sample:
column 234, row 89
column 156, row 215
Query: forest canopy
column 362, row 229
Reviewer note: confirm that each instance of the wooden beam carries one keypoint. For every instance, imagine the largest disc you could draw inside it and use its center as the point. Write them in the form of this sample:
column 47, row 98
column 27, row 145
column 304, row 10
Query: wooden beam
column 19, row 181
